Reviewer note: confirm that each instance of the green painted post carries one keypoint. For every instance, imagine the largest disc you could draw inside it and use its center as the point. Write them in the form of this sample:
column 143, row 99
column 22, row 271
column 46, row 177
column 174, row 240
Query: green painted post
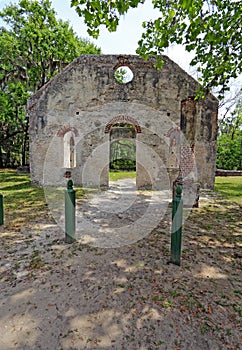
column 176, row 230
column 1, row 210
column 70, row 219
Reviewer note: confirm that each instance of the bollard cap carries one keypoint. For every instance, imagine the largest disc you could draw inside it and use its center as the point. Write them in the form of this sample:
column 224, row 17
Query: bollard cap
column 179, row 178
column 179, row 190
column 70, row 184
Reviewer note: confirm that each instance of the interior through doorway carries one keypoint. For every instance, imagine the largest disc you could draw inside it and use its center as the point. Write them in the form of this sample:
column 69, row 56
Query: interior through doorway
column 122, row 159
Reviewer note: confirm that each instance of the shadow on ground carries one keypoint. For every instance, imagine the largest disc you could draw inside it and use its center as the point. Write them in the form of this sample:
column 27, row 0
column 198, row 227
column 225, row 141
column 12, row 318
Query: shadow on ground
column 59, row 296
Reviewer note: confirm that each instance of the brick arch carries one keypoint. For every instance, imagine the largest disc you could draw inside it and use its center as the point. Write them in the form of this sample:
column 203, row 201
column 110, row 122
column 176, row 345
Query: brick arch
column 124, row 119
column 61, row 132
column 123, row 62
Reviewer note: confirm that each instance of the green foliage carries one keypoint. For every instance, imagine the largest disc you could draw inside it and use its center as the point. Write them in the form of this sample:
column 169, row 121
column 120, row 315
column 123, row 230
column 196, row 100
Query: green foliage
column 97, row 12
column 34, row 47
column 38, row 45
column 123, row 74
column 13, row 124
column 120, row 75
column 229, row 143
column 211, row 29
column 123, row 147
column 229, row 152
column 123, row 155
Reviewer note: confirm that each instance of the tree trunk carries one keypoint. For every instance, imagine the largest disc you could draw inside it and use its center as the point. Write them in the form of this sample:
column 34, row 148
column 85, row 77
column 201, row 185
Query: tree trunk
column 1, row 158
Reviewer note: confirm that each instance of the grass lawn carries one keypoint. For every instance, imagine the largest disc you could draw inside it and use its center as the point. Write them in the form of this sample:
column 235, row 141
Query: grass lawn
column 24, row 203
column 230, row 188
column 118, row 175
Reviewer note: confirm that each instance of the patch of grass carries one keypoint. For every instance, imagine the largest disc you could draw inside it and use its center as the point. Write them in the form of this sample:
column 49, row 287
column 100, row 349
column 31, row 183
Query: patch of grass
column 25, row 203
column 118, row 175
column 218, row 222
column 22, row 201
column 230, row 187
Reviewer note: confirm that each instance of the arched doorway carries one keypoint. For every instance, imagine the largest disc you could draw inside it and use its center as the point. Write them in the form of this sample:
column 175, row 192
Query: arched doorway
column 122, row 146
column 122, row 139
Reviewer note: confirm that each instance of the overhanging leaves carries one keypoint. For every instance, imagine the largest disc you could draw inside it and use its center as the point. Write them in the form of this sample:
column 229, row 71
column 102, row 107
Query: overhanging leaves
column 209, row 28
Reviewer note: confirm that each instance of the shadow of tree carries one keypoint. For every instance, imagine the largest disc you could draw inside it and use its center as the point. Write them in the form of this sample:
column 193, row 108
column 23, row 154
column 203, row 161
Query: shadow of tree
column 58, row 296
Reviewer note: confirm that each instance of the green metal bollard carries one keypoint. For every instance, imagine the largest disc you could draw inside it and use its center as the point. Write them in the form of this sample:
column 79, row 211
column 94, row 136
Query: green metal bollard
column 70, row 219
column 1, row 210
column 176, row 230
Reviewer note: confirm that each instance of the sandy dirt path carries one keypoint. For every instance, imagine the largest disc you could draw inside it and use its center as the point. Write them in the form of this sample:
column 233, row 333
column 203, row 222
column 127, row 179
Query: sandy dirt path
column 56, row 296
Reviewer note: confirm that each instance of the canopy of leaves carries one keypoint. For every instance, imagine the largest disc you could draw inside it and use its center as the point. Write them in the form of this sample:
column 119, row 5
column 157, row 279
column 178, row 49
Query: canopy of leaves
column 34, row 46
column 209, row 28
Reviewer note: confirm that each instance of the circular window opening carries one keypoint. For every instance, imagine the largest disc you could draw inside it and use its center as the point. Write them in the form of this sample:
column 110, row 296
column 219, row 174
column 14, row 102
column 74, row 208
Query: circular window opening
column 123, row 74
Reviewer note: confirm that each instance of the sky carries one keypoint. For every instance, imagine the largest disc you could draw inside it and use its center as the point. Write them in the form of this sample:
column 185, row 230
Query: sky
column 125, row 39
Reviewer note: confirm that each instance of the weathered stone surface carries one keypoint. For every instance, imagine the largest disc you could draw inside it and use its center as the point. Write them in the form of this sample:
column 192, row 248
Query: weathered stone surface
column 222, row 172
column 172, row 129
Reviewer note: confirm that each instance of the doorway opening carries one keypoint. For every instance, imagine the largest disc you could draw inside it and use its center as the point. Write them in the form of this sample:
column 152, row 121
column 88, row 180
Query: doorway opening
column 122, row 160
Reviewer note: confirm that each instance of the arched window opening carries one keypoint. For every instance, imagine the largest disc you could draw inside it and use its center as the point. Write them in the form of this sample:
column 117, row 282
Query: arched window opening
column 69, row 150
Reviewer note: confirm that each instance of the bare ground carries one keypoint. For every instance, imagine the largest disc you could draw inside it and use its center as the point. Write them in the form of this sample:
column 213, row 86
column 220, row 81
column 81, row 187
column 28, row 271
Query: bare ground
column 56, row 296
